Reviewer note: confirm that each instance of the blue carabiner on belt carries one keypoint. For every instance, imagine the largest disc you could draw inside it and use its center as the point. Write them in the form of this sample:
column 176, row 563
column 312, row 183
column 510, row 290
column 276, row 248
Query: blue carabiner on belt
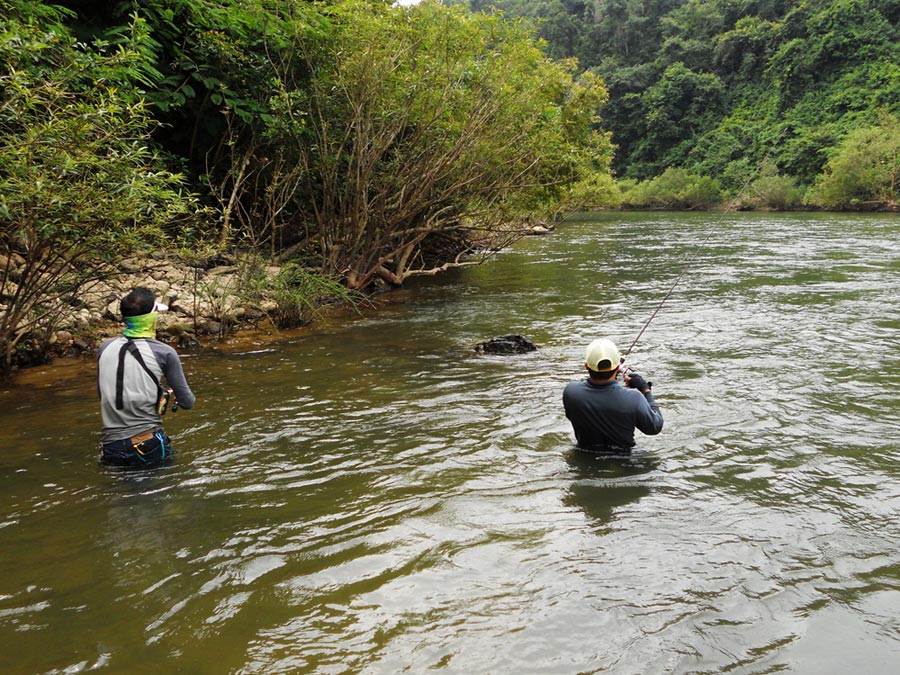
column 162, row 443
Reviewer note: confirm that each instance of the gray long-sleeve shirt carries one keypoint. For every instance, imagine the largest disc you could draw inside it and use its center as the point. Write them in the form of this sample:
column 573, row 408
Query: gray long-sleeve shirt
column 604, row 415
column 139, row 393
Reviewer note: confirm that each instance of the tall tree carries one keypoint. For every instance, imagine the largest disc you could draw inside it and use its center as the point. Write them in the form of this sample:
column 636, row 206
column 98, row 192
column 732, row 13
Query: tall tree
column 429, row 124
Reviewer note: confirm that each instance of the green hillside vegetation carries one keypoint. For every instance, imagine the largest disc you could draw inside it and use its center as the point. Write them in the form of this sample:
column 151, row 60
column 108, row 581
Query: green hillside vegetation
column 355, row 143
column 714, row 87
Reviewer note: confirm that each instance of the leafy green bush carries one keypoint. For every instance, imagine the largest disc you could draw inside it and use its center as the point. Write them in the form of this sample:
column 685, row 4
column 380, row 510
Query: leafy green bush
column 774, row 191
column 300, row 295
column 675, row 189
column 597, row 191
column 864, row 171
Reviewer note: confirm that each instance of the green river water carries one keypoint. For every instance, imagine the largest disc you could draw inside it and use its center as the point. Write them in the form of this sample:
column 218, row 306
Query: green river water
column 374, row 497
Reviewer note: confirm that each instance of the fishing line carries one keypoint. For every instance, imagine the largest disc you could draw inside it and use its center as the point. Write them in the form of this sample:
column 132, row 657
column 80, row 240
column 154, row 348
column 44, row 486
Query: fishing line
column 712, row 228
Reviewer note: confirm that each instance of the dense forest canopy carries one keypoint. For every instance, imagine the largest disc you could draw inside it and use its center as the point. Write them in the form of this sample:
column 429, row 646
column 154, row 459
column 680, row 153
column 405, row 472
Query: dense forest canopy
column 711, row 85
column 357, row 140
column 362, row 142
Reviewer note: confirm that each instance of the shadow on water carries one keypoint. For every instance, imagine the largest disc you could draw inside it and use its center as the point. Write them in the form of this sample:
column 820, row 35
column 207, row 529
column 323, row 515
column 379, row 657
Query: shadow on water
column 140, row 511
column 602, row 483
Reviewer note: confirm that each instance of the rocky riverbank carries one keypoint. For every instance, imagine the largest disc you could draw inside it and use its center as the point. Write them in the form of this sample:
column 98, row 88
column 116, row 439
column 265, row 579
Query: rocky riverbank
column 205, row 304
column 220, row 298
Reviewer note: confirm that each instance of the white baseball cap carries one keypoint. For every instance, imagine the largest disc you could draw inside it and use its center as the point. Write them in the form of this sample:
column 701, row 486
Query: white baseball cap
column 602, row 356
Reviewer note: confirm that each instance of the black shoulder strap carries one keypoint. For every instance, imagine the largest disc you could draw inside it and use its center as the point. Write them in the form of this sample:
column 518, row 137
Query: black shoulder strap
column 129, row 346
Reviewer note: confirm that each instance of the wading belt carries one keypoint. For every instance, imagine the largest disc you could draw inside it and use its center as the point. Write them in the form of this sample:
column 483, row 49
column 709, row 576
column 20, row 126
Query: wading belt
column 129, row 346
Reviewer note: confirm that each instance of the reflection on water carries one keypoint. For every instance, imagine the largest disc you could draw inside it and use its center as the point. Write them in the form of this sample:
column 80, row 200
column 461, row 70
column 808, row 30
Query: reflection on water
column 604, row 483
column 374, row 497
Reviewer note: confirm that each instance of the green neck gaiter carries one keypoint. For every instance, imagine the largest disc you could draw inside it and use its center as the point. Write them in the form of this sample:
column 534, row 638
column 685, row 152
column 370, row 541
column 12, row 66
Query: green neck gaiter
column 143, row 326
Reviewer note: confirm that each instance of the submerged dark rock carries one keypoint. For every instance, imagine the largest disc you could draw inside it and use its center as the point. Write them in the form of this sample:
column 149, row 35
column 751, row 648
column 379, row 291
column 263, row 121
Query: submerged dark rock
column 506, row 344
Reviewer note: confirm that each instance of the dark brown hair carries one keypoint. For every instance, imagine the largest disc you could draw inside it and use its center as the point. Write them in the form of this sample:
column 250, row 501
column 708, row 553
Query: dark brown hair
column 139, row 301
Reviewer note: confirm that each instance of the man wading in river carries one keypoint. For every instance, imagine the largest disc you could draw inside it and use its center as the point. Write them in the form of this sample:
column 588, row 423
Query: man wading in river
column 132, row 400
column 604, row 414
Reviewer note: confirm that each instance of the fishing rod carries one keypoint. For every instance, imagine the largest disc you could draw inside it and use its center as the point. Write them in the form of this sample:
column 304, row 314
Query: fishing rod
column 702, row 244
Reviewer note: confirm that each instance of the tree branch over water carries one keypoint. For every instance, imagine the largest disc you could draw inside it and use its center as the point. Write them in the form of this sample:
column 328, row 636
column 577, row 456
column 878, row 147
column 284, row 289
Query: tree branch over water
column 416, row 120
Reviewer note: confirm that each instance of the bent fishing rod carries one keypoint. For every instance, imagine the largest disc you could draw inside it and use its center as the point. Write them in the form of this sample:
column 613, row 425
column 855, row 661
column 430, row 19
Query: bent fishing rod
column 702, row 244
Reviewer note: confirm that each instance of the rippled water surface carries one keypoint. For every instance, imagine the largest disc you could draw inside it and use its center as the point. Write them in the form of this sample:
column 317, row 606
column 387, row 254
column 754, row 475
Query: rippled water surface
column 374, row 497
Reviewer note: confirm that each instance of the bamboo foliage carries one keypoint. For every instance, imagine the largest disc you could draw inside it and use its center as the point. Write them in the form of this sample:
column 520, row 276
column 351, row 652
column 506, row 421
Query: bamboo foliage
column 80, row 181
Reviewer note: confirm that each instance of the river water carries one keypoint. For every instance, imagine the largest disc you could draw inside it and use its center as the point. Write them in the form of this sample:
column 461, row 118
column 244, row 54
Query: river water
column 374, row 497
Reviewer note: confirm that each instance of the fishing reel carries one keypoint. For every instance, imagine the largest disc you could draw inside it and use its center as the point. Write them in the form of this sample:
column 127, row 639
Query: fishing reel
column 627, row 372
column 165, row 395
